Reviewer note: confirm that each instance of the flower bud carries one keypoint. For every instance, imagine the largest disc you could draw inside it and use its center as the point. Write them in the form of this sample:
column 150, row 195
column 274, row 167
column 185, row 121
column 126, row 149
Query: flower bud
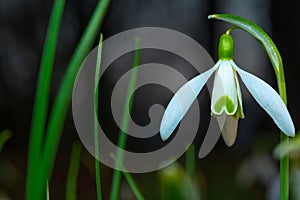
column 226, row 47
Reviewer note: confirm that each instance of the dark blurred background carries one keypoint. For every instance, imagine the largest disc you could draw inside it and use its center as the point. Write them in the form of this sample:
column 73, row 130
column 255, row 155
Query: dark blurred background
column 23, row 25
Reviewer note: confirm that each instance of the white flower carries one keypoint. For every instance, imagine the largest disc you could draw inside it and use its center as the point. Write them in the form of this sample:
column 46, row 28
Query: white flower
column 226, row 97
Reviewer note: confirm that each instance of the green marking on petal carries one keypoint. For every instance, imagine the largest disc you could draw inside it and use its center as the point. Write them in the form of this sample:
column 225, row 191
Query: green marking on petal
column 239, row 113
column 224, row 103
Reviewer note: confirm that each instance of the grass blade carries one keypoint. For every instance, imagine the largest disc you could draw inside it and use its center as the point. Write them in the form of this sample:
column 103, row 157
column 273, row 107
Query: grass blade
column 47, row 191
column 62, row 101
column 73, row 172
column 190, row 162
column 129, row 179
column 114, row 193
column 97, row 163
column 42, row 95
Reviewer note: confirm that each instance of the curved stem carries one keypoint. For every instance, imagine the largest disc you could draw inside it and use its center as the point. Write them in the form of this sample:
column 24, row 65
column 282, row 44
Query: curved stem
column 231, row 29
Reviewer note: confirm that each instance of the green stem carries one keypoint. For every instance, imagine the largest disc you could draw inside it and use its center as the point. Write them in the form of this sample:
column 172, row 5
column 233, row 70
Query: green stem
column 124, row 125
column 97, row 163
column 42, row 96
column 284, row 172
column 231, row 29
column 284, row 161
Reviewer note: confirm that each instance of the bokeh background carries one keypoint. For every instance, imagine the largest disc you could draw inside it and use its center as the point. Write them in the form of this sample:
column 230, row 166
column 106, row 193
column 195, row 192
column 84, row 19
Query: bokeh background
column 247, row 170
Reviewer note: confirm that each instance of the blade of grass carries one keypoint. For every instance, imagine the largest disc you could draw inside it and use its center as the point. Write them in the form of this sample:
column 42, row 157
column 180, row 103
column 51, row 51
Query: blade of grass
column 4, row 136
column 114, row 193
column 62, row 101
column 129, row 179
column 133, row 186
column 190, row 168
column 47, row 191
column 73, row 172
column 42, row 94
column 97, row 163
column 190, row 162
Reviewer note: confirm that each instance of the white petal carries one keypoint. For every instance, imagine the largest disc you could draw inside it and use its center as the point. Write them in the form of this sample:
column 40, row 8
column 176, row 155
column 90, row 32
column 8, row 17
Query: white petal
column 229, row 129
column 182, row 101
column 269, row 100
column 224, row 95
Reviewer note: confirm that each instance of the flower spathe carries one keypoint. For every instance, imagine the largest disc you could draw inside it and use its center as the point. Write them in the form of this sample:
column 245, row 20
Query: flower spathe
column 226, row 97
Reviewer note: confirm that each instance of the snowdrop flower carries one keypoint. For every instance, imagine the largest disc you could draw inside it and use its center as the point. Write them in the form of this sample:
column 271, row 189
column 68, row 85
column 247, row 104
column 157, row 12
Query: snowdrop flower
column 226, row 97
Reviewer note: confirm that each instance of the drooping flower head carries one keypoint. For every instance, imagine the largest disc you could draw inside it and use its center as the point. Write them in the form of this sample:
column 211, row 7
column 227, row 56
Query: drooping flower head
column 226, row 96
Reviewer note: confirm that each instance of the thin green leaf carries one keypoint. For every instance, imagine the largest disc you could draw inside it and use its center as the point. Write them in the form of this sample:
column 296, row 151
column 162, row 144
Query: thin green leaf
column 4, row 136
column 114, row 193
column 42, row 97
column 96, row 131
column 73, row 172
column 47, row 191
column 129, row 179
column 62, row 101
column 190, row 162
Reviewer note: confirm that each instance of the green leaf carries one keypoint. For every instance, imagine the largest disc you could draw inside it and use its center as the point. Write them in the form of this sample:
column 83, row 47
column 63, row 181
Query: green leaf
column 61, row 104
column 258, row 33
column 42, row 97
column 129, row 178
column 116, row 181
column 96, row 131
column 47, row 191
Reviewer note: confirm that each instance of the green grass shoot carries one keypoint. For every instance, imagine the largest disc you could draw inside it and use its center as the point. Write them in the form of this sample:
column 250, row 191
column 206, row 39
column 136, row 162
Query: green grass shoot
column 96, row 131
column 73, row 172
column 124, row 125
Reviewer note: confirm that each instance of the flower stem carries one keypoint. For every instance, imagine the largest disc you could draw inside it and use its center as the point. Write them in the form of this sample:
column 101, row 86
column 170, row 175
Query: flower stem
column 231, row 29
column 284, row 161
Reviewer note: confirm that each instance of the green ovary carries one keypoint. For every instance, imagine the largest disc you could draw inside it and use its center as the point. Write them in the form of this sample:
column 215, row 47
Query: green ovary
column 224, row 102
